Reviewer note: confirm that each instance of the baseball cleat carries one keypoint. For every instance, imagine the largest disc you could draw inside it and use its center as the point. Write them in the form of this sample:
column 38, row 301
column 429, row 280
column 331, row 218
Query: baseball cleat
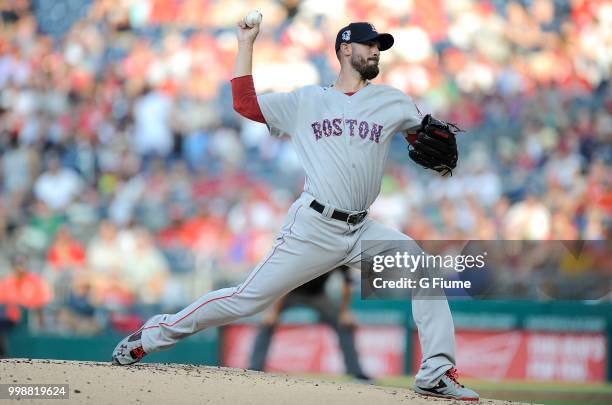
column 129, row 350
column 449, row 387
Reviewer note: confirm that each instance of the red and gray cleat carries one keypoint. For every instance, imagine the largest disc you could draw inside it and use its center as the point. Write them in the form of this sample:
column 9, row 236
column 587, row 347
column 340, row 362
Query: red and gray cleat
column 449, row 387
column 129, row 350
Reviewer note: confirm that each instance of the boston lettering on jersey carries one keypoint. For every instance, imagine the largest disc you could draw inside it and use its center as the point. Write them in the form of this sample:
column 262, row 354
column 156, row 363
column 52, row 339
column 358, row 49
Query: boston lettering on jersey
column 334, row 127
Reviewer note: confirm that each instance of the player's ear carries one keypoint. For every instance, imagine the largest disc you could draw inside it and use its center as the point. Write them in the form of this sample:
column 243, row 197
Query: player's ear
column 346, row 49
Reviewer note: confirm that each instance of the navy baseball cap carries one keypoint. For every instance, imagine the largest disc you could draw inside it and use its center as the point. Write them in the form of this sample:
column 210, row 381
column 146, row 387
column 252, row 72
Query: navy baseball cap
column 361, row 32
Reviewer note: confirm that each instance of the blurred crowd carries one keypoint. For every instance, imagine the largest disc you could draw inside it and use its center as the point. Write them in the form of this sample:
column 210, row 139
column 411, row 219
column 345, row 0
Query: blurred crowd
column 129, row 186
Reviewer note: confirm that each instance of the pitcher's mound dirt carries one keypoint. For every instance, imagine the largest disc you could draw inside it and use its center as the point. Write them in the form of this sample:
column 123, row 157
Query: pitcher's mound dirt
column 102, row 383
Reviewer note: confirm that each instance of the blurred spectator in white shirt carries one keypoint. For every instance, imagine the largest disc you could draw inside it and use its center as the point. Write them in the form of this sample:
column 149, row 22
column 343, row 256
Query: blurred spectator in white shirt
column 528, row 219
column 103, row 253
column 152, row 124
column 58, row 186
column 144, row 267
column 18, row 168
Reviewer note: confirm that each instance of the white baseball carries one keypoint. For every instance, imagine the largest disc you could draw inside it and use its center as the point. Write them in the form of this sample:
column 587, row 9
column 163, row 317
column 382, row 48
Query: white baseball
column 253, row 18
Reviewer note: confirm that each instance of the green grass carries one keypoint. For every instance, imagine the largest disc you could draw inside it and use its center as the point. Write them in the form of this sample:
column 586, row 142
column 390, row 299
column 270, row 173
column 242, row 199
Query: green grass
column 550, row 393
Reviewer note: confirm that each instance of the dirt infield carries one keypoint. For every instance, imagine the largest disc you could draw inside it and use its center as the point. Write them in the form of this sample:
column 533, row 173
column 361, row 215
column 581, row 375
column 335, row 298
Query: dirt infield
column 102, row 383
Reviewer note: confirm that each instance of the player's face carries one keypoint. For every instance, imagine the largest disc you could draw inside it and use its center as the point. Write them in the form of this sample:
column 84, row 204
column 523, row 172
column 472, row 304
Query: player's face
column 364, row 59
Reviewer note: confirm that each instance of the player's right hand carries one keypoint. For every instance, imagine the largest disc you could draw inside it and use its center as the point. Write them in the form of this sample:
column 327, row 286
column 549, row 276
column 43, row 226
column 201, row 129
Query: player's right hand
column 245, row 33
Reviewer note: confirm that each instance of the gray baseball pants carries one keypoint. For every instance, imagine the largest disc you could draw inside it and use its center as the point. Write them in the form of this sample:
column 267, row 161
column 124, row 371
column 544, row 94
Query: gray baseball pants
column 308, row 245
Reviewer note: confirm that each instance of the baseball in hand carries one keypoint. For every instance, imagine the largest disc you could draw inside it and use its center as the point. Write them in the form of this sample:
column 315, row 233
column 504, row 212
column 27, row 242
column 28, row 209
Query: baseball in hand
column 253, row 18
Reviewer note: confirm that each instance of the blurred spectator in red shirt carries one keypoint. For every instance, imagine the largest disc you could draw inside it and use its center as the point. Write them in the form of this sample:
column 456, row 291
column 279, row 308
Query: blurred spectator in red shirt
column 66, row 253
column 23, row 288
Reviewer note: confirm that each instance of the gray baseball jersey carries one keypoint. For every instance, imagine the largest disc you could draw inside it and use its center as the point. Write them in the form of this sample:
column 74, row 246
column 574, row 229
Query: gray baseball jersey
column 343, row 143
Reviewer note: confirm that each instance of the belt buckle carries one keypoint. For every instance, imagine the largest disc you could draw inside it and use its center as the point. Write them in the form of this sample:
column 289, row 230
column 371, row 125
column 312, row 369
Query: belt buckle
column 354, row 219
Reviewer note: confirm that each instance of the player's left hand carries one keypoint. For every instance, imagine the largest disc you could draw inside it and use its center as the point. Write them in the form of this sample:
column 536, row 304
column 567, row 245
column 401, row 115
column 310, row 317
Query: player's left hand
column 435, row 146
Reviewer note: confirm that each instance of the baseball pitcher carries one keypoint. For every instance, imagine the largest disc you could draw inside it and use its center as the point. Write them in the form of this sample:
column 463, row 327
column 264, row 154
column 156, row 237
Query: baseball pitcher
column 341, row 134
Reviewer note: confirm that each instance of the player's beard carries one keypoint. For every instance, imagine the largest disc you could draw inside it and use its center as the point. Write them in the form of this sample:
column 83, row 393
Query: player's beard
column 368, row 71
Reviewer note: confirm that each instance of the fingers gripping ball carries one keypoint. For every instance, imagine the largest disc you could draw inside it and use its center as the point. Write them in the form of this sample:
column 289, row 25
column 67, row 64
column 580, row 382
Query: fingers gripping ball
column 435, row 146
column 253, row 18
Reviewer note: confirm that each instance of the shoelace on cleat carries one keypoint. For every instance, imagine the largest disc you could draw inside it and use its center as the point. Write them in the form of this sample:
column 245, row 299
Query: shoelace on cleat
column 137, row 353
column 453, row 374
